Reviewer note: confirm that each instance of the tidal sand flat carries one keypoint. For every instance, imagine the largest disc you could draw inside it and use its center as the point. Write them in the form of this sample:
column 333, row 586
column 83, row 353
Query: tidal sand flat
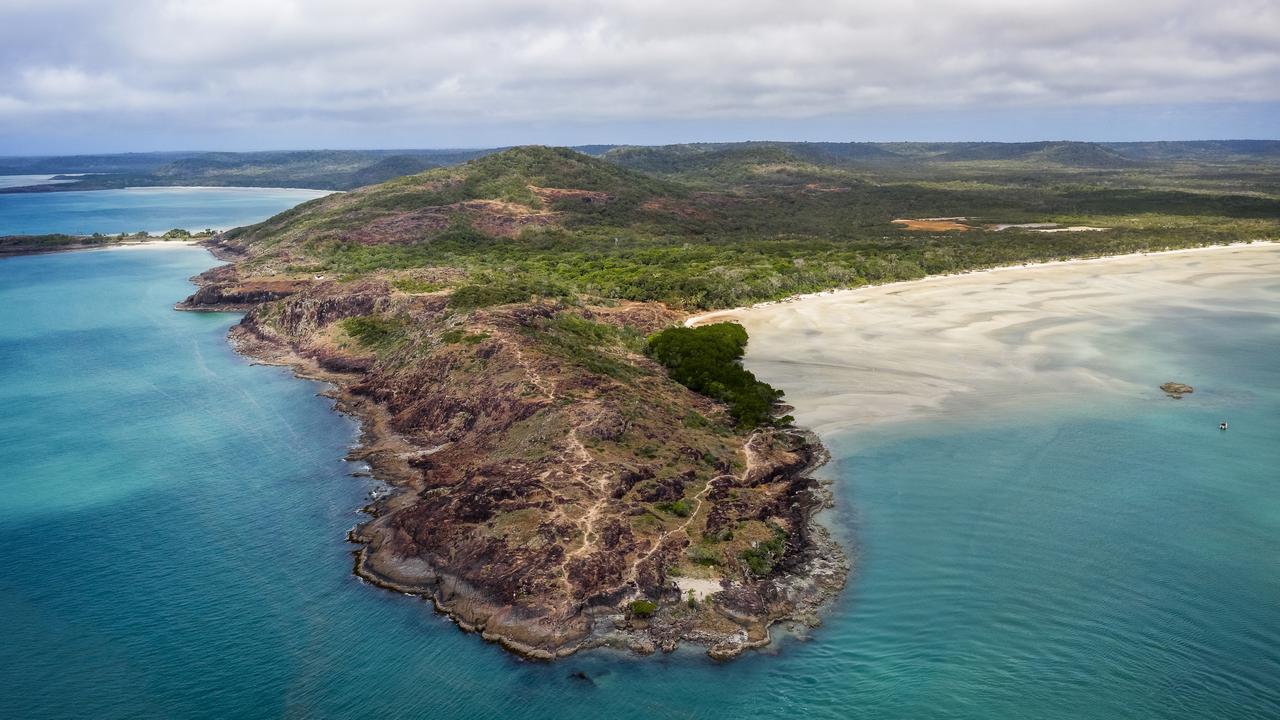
column 966, row 346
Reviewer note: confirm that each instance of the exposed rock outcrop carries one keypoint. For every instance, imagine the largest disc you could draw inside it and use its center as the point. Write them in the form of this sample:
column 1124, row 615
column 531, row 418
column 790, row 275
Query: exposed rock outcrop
column 1176, row 390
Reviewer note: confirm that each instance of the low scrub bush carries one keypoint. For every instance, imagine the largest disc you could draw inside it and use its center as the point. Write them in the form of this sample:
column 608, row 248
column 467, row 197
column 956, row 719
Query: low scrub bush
column 762, row 558
column 494, row 290
column 642, row 608
column 374, row 332
column 679, row 508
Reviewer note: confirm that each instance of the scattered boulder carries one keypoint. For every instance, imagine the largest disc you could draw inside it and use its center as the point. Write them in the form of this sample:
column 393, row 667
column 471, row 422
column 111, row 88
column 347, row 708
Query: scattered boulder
column 607, row 425
column 1176, row 390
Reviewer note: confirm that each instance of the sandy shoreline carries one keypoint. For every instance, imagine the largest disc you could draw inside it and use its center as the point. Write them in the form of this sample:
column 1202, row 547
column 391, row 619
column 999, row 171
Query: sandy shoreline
column 948, row 347
column 714, row 315
column 150, row 243
column 19, row 251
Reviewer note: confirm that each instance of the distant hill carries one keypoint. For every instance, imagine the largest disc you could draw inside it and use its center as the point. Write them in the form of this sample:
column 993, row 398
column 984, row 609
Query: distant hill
column 117, row 163
column 1074, row 154
column 728, row 159
column 319, row 169
column 739, row 162
column 709, row 157
column 497, row 194
column 1200, row 150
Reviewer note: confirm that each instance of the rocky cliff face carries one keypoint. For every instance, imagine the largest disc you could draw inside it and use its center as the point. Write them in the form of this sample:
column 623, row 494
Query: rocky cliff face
column 551, row 480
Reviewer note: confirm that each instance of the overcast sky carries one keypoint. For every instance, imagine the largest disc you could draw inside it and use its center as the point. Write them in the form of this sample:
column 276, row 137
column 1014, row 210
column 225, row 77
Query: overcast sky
column 98, row 75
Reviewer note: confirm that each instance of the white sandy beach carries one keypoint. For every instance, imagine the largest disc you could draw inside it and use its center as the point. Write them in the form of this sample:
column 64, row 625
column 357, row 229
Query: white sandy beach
column 154, row 243
column 950, row 345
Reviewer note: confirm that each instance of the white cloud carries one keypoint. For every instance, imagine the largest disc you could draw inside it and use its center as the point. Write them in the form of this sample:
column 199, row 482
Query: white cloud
column 401, row 62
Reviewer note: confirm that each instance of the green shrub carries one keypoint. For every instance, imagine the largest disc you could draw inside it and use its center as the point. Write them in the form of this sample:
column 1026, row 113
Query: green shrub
column 706, row 360
column 703, row 555
column 374, row 332
column 591, row 345
column 414, row 285
column 694, row 419
column 762, row 558
column 679, row 508
column 458, row 335
column 642, row 608
column 495, row 290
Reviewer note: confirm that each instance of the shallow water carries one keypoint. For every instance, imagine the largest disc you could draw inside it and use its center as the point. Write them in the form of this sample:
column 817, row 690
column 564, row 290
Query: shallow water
column 174, row 523
column 12, row 181
column 153, row 210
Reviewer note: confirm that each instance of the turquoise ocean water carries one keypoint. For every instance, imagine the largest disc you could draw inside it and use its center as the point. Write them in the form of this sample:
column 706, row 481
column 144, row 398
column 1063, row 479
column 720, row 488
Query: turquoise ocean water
column 173, row 524
column 153, row 210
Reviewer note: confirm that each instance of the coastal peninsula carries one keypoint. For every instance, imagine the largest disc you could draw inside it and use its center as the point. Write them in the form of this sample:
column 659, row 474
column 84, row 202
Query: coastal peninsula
column 552, row 488
column 560, row 478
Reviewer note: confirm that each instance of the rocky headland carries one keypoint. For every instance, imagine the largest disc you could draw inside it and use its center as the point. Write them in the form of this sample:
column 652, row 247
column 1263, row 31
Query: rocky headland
column 552, row 488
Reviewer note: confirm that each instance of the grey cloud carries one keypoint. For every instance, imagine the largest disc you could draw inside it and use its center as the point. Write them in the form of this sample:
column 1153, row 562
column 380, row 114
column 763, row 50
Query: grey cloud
column 230, row 63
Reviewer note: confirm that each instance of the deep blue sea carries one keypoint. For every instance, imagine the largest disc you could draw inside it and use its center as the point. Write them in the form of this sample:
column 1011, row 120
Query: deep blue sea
column 151, row 209
column 173, row 523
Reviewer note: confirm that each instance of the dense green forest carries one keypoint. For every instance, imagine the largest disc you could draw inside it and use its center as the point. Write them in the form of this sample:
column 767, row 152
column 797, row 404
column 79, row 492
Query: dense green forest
column 705, row 359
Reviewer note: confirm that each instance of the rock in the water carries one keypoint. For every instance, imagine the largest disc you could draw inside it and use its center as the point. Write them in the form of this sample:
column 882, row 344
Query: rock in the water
column 1176, row 390
column 642, row 646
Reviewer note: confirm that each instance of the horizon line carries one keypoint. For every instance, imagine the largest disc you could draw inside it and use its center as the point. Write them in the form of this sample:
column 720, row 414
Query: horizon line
column 647, row 145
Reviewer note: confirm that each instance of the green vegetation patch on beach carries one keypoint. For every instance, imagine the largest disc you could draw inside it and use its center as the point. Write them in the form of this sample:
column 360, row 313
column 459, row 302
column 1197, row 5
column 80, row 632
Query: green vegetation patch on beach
column 706, row 360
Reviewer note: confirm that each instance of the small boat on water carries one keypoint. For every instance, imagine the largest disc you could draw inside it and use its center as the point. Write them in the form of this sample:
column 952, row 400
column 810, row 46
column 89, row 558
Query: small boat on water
column 1222, row 425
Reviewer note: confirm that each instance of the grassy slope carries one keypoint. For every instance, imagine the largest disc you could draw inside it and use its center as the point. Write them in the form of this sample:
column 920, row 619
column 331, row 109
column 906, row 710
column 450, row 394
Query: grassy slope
column 713, row 226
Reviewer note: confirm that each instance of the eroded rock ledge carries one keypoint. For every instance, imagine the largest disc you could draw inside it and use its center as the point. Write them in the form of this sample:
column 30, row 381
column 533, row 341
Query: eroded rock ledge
column 550, row 493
